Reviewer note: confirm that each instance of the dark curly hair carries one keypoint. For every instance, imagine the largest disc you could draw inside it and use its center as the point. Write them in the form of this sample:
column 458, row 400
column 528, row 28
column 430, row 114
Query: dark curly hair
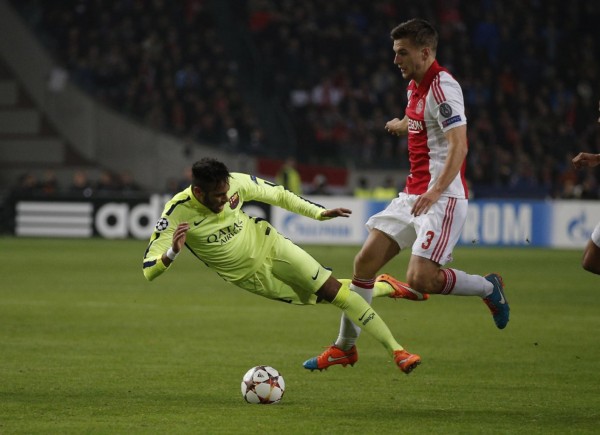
column 209, row 172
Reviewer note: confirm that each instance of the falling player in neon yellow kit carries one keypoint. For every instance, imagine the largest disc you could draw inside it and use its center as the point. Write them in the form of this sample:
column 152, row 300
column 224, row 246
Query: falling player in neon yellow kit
column 250, row 253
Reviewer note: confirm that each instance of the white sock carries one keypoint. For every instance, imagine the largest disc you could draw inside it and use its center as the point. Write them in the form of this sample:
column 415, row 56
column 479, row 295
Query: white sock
column 459, row 283
column 349, row 332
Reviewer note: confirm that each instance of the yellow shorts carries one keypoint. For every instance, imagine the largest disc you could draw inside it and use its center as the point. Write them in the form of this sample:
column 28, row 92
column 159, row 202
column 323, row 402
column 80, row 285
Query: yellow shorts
column 288, row 274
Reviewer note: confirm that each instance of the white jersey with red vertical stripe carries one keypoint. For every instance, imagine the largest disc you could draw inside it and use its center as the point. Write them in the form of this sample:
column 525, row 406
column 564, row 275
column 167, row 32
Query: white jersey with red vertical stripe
column 434, row 107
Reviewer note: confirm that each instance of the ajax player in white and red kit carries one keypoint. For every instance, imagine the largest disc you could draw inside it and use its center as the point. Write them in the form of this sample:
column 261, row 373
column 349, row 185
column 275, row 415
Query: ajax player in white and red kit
column 428, row 216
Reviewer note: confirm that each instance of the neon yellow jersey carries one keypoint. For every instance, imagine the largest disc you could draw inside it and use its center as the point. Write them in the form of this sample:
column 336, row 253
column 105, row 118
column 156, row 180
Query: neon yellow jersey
column 230, row 242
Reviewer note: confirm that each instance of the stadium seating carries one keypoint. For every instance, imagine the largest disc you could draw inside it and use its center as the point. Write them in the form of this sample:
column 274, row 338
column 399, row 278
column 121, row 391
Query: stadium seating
column 528, row 77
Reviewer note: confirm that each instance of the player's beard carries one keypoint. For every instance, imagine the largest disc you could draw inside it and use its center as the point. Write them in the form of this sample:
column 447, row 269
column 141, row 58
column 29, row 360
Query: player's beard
column 216, row 206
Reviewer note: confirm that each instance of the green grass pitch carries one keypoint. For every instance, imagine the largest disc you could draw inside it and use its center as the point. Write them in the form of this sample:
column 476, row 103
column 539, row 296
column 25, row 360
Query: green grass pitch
column 88, row 346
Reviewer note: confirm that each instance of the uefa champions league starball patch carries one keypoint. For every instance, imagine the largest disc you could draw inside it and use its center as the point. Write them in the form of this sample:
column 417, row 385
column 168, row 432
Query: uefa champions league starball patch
column 445, row 110
column 162, row 224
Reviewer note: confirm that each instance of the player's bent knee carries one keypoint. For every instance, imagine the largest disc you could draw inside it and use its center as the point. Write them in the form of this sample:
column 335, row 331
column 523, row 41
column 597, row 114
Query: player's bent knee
column 329, row 290
column 591, row 267
column 591, row 259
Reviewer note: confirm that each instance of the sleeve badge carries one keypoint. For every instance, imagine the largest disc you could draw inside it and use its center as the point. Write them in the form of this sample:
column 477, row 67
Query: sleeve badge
column 162, row 224
column 445, row 110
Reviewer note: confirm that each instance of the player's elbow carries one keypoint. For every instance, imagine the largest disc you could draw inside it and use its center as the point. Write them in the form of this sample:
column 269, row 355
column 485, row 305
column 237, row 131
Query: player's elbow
column 153, row 267
column 148, row 275
column 149, row 270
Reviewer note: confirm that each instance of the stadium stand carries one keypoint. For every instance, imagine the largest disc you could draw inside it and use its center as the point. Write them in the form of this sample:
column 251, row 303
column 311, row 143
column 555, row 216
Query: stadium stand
column 316, row 78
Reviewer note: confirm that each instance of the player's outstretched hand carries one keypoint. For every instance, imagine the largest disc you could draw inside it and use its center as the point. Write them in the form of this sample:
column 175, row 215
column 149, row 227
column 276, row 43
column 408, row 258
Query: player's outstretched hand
column 586, row 160
column 179, row 236
column 336, row 212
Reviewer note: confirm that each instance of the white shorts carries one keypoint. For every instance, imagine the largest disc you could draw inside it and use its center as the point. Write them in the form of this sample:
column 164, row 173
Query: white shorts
column 432, row 235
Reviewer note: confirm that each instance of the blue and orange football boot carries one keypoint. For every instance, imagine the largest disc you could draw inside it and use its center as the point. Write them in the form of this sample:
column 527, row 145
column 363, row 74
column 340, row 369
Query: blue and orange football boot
column 333, row 355
column 497, row 302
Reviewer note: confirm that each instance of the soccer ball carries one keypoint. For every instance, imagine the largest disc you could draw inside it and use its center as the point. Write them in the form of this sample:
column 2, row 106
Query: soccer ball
column 263, row 385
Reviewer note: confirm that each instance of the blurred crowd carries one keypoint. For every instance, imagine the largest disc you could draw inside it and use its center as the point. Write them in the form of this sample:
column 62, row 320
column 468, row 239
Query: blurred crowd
column 85, row 183
column 81, row 185
column 529, row 71
column 160, row 62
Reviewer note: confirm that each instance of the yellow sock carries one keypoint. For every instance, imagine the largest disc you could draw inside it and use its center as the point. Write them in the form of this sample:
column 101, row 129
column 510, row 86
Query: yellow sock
column 380, row 289
column 363, row 315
